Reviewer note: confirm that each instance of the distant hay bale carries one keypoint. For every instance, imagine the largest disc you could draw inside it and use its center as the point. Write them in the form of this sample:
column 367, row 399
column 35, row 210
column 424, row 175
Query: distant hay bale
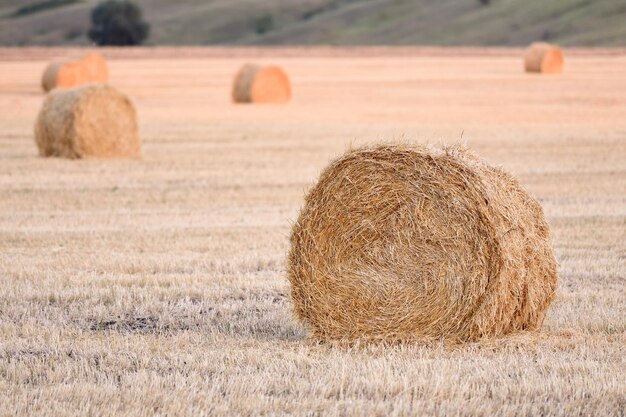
column 90, row 121
column 92, row 68
column 400, row 242
column 63, row 75
column 543, row 58
column 96, row 68
column 255, row 84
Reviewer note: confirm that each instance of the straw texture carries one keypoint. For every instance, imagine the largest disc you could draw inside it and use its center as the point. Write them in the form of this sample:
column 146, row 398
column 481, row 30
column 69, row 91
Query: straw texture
column 90, row 121
column 399, row 242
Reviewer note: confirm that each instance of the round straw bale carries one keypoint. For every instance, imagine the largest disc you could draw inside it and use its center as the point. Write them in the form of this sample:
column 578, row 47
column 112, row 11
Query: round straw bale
column 64, row 75
column 90, row 121
column 543, row 58
column 399, row 242
column 96, row 68
column 92, row 68
column 255, row 84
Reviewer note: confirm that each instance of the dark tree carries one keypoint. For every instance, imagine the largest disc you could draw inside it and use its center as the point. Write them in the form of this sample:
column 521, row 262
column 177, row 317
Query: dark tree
column 264, row 24
column 118, row 22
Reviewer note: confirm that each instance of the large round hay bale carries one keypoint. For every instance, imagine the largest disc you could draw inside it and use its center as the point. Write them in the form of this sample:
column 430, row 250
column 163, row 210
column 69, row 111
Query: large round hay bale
column 64, row 75
column 90, row 121
column 402, row 242
column 256, row 84
column 543, row 58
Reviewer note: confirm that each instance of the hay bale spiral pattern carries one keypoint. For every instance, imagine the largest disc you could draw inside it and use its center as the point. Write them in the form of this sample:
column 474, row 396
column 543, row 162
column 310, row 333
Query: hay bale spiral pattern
column 399, row 242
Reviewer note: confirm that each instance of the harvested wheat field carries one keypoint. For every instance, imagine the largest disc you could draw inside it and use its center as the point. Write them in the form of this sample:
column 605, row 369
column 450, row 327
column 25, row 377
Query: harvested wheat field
column 159, row 286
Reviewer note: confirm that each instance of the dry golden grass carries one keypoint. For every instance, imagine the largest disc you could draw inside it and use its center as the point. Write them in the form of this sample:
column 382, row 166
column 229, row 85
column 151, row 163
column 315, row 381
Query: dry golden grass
column 158, row 287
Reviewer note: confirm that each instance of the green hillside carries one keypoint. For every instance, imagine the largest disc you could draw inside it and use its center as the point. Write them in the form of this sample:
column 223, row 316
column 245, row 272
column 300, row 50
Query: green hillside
column 332, row 22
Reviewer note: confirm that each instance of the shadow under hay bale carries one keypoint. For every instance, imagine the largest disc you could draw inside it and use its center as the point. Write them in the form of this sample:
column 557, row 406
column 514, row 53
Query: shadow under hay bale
column 411, row 243
column 92, row 68
column 91, row 121
column 543, row 58
column 255, row 84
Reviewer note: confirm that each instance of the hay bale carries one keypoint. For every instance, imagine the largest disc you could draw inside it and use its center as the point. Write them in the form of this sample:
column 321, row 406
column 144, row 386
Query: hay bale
column 411, row 243
column 96, row 68
column 90, row 121
column 63, row 75
column 92, row 68
column 543, row 58
column 256, row 84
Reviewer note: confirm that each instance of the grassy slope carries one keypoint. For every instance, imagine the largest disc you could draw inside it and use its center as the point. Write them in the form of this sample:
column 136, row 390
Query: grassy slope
column 343, row 22
column 453, row 22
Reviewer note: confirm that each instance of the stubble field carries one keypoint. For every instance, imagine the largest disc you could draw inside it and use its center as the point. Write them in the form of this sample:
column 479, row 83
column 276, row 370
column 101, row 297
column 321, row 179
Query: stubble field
column 157, row 287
